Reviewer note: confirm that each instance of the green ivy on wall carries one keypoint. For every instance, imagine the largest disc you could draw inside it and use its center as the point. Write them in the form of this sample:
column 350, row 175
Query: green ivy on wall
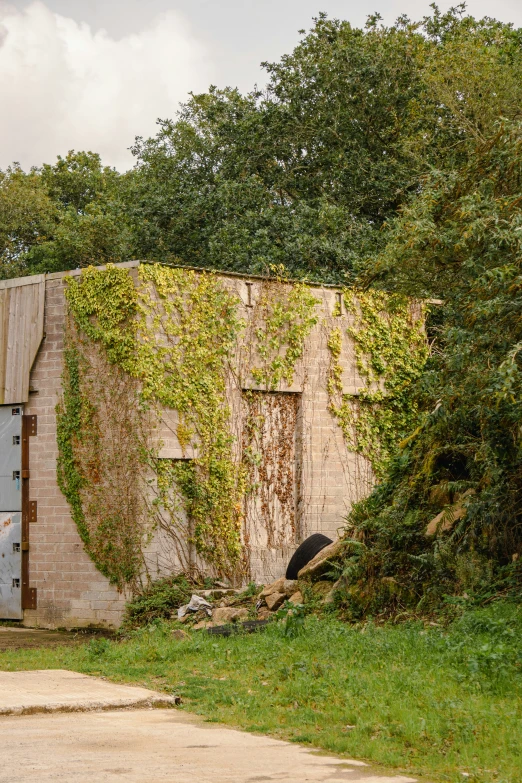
column 284, row 317
column 186, row 370
column 161, row 338
column 103, row 438
column 174, row 333
column 69, row 427
column 390, row 352
column 104, row 305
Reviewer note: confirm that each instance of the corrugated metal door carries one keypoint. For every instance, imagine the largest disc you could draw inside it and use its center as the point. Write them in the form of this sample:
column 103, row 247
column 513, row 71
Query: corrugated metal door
column 10, row 512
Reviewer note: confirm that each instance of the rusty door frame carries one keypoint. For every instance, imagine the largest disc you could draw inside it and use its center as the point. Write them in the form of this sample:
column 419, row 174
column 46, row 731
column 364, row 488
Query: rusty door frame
column 29, row 428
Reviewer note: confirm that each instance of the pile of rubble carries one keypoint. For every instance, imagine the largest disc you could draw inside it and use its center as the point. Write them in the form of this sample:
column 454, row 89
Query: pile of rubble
column 222, row 606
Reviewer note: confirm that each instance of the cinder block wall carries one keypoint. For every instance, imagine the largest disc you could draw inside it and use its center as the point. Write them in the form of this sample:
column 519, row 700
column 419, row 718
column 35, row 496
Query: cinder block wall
column 71, row 591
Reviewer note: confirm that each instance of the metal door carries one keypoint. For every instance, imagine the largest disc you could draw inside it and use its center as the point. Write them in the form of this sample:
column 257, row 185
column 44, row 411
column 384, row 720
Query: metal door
column 10, row 512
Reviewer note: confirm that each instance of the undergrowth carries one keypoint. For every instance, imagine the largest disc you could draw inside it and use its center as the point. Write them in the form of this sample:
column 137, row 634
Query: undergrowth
column 446, row 517
column 158, row 601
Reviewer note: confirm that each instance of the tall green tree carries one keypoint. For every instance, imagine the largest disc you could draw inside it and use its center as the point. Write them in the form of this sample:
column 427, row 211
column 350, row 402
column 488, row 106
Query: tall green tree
column 306, row 172
column 27, row 217
column 61, row 216
column 303, row 173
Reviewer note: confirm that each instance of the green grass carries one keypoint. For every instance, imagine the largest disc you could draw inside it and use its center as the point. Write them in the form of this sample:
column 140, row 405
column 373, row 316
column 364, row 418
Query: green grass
column 424, row 700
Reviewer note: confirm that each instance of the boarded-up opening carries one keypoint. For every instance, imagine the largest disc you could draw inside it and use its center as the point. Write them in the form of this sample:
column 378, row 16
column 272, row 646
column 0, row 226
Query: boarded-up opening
column 271, row 454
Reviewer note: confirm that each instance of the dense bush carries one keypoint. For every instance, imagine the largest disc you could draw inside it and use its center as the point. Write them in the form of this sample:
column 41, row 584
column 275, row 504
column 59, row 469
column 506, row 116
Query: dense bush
column 158, row 601
column 460, row 241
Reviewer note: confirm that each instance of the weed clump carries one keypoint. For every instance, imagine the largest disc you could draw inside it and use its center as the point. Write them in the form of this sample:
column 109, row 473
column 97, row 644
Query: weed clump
column 158, row 601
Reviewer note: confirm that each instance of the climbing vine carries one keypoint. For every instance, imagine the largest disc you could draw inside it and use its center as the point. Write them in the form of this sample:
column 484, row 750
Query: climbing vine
column 103, row 435
column 104, row 305
column 173, row 335
column 69, row 418
column 186, row 370
column 390, row 352
column 140, row 343
column 284, row 317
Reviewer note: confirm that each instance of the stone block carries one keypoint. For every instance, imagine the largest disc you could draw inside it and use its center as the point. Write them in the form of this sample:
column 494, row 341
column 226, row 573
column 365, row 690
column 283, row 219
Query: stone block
column 320, row 563
column 229, row 614
column 275, row 600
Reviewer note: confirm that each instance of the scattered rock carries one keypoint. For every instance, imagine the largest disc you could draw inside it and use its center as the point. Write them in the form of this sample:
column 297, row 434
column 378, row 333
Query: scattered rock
column 275, row 587
column 289, row 586
column 264, row 613
column 296, row 598
column 319, row 564
column 321, row 589
column 179, row 634
column 282, row 585
column 440, row 495
column 229, row 614
column 447, row 518
column 203, row 624
column 218, row 593
column 275, row 600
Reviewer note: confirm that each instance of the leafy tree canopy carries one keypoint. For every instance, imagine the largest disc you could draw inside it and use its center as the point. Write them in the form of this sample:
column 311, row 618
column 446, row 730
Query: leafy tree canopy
column 61, row 217
column 303, row 173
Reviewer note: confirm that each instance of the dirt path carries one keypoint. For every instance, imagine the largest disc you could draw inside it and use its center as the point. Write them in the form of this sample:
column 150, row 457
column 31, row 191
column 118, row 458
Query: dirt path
column 156, row 746
column 17, row 638
column 85, row 739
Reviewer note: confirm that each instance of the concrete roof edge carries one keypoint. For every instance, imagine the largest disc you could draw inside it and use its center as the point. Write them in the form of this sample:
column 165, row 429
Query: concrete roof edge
column 31, row 279
column 242, row 275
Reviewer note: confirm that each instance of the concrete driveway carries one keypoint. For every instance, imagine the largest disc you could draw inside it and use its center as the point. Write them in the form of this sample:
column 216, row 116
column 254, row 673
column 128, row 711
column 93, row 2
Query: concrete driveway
column 61, row 725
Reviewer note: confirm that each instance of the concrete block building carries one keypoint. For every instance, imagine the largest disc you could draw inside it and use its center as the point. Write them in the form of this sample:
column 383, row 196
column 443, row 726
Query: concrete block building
column 46, row 577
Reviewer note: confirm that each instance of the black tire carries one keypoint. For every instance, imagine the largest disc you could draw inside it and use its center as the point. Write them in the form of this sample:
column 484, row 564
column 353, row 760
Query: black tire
column 305, row 552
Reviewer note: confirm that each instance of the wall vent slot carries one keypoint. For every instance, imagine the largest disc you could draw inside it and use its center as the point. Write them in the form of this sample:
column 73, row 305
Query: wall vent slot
column 338, row 303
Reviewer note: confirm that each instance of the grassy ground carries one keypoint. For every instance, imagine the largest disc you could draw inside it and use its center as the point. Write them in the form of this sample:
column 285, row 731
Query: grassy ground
column 424, row 700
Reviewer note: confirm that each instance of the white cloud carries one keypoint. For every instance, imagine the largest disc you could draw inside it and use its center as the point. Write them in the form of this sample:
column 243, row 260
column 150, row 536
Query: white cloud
column 63, row 86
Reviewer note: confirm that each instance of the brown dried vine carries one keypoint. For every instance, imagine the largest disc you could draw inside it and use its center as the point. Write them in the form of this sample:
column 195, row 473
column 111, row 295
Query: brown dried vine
column 269, row 456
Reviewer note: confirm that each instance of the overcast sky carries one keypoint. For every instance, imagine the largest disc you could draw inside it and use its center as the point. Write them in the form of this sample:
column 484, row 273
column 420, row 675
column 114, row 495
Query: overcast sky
column 93, row 74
